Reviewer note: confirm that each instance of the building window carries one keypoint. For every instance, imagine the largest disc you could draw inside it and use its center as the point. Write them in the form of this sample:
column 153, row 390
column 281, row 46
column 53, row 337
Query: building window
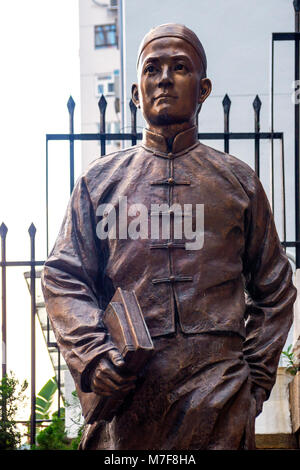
column 100, row 90
column 105, row 35
column 110, row 87
column 105, row 85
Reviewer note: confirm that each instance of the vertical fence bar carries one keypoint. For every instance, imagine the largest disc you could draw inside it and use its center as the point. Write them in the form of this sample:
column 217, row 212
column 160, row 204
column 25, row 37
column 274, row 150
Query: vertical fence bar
column 48, row 331
column 71, row 107
column 32, row 232
column 226, row 107
column 133, row 111
column 47, row 198
column 297, row 130
column 102, row 104
column 272, row 127
column 256, row 107
column 3, row 233
column 283, row 188
column 58, row 382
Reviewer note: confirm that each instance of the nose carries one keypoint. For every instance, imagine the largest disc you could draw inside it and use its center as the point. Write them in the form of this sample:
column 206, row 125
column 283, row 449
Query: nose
column 165, row 77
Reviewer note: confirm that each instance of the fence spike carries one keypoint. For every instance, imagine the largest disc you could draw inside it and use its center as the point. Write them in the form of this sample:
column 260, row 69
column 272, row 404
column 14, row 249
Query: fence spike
column 257, row 104
column 102, row 103
column 133, row 110
column 32, row 230
column 71, row 105
column 226, row 104
column 3, row 230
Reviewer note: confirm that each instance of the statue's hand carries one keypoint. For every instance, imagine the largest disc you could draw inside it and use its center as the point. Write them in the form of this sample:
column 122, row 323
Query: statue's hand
column 110, row 376
column 260, row 395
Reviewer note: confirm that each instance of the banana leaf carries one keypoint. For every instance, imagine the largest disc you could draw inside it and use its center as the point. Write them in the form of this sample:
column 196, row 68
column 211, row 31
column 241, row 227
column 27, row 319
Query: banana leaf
column 44, row 399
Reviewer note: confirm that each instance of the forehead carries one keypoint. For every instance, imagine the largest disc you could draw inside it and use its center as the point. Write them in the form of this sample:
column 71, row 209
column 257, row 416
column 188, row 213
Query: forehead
column 169, row 47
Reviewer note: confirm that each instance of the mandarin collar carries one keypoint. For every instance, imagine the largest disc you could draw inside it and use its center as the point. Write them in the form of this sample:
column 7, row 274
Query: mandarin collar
column 182, row 141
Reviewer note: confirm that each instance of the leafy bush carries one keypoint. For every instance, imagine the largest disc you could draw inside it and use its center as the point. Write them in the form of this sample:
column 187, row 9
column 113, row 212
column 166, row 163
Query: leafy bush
column 292, row 368
column 11, row 396
column 53, row 437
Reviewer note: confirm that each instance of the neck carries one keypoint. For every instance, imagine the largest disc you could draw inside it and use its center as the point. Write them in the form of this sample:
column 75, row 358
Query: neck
column 169, row 131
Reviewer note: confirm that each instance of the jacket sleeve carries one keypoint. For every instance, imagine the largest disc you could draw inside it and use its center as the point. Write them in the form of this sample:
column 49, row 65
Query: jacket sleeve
column 69, row 281
column 270, row 293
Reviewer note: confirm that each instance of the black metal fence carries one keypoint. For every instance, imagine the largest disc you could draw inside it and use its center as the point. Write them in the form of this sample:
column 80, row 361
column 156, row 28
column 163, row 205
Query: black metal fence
column 256, row 136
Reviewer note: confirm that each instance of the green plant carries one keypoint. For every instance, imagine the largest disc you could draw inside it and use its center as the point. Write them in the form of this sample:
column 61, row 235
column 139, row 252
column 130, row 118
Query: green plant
column 11, row 396
column 53, row 437
column 76, row 440
column 44, row 399
column 292, row 368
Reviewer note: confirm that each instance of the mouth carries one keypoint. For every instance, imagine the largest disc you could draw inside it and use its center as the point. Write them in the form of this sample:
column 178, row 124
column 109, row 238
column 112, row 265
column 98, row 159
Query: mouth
column 165, row 96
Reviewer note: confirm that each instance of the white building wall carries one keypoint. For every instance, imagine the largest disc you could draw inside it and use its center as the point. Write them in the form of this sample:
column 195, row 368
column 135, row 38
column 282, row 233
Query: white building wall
column 95, row 63
column 237, row 38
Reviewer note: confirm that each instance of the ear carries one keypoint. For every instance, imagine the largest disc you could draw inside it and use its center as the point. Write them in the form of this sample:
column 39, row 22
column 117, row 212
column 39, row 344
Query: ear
column 205, row 89
column 135, row 95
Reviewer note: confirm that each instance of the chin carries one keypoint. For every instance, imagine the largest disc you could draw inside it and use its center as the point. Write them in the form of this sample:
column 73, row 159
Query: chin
column 167, row 117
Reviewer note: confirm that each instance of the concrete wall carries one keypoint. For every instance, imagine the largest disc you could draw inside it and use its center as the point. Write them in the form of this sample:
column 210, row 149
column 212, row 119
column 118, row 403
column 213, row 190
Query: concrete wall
column 275, row 417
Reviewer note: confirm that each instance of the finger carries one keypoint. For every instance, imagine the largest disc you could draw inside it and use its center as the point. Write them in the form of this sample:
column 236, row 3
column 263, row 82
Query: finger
column 106, row 374
column 119, row 382
column 107, row 369
column 105, row 383
column 108, row 387
column 116, row 358
column 115, row 377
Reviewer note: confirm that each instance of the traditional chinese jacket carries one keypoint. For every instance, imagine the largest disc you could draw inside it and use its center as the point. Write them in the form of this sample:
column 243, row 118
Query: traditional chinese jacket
column 239, row 282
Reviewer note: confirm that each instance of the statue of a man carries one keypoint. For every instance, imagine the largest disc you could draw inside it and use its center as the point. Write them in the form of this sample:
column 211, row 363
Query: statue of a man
column 218, row 311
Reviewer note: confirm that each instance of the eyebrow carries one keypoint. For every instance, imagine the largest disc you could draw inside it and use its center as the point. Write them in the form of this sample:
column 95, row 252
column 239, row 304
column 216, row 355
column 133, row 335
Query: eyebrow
column 174, row 58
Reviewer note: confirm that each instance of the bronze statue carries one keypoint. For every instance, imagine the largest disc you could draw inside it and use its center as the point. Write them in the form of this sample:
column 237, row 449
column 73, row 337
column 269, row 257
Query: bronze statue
column 218, row 314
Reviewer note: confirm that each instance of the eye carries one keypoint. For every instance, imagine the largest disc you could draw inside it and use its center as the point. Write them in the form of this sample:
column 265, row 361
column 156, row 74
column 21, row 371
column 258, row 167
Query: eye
column 179, row 67
column 149, row 69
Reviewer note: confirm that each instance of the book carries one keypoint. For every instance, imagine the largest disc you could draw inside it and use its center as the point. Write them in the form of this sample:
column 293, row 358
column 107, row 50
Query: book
column 127, row 329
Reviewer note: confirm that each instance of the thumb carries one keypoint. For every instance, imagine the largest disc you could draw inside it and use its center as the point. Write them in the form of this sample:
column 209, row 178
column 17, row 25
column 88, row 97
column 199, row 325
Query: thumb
column 115, row 358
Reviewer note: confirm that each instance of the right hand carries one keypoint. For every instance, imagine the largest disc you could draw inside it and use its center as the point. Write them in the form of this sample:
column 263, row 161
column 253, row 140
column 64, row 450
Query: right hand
column 110, row 376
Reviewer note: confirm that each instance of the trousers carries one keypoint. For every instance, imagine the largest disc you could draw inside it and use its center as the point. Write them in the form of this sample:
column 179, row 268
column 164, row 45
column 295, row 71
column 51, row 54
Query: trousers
column 193, row 394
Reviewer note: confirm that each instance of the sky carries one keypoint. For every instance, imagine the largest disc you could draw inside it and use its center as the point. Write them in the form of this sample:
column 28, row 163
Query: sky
column 39, row 57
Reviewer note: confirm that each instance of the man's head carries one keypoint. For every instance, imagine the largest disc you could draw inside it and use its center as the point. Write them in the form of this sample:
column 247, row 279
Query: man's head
column 172, row 81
